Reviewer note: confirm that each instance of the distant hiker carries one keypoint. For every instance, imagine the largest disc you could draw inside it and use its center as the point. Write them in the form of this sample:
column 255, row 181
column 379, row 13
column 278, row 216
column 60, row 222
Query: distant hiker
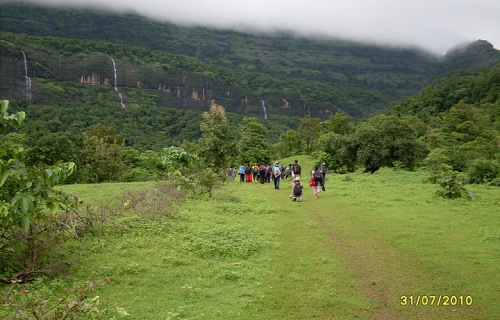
column 276, row 175
column 317, row 177
column 241, row 172
column 287, row 172
column 323, row 170
column 248, row 173
column 262, row 173
column 269, row 173
column 231, row 173
column 297, row 170
column 297, row 189
column 255, row 171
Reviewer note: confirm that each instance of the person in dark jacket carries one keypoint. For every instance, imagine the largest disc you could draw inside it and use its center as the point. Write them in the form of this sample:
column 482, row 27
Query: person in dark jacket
column 262, row 173
column 323, row 169
column 297, row 170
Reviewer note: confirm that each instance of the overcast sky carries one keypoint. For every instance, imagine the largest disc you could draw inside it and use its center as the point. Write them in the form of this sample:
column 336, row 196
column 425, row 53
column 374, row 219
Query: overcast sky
column 435, row 25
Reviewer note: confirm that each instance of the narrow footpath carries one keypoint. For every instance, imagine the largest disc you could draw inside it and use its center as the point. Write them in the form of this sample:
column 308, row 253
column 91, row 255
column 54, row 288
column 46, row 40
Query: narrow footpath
column 329, row 265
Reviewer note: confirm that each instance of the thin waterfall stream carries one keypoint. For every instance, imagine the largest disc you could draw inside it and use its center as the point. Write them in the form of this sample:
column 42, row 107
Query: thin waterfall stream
column 27, row 79
column 116, row 83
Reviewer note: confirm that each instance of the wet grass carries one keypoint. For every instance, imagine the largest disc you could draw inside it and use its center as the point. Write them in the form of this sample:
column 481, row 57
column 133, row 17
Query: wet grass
column 251, row 253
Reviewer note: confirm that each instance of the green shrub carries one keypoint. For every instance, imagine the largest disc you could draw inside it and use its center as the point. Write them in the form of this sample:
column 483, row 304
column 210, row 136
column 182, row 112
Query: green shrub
column 453, row 188
column 29, row 301
column 483, row 171
column 137, row 174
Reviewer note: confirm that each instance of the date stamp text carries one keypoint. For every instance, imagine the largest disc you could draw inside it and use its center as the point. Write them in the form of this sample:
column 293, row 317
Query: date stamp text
column 435, row 300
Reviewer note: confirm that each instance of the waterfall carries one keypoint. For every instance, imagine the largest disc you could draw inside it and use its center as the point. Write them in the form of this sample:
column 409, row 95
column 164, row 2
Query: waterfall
column 264, row 108
column 116, row 84
column 27, row 80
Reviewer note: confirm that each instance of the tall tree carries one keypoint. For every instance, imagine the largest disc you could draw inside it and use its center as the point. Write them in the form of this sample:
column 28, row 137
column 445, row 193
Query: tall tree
column 309, row 130
column 215, row 140
column 103, row 150
column 338, row 123
column 253, row 146
column 293, row 144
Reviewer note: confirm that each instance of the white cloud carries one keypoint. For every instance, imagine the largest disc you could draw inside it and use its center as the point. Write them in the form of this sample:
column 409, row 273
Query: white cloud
column 436, row 25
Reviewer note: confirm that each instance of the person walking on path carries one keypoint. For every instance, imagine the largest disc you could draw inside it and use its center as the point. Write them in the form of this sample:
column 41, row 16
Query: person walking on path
column 323, row 170
column 287, row 172
column 297, row 170
column 255, row 172
column 297, row 189
column 241, row 172
column 248, row 173
column 276, row 175
column 269, row 173
column 262, row 173
column 317, row 177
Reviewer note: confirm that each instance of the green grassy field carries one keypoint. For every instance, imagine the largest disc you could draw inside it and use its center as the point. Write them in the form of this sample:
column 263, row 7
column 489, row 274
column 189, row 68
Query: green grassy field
column 252, row 253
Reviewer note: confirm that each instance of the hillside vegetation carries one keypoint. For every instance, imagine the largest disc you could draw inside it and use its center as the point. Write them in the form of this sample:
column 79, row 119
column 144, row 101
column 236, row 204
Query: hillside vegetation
column 294, row 76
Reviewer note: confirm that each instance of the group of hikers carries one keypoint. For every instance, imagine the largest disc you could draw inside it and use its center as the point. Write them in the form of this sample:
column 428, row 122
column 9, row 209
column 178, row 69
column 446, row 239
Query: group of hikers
column 265, row 173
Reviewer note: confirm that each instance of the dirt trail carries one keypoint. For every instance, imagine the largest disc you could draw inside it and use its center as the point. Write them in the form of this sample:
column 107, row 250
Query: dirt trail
column 370, row 277
column 355, row 271
column 384, row 273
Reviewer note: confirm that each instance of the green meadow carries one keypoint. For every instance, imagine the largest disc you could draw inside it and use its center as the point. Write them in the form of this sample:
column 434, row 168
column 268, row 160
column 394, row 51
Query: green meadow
column 371, row 247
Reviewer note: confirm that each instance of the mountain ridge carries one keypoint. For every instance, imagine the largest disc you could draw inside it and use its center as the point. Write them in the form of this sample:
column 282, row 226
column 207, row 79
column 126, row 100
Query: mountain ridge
column 294, row 76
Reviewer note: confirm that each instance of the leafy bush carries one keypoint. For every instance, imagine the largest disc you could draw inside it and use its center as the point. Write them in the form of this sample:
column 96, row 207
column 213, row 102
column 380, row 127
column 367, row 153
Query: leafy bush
column 437, row 163
column 29, row 301
column 137, row 174
column 453, row 188
column 483, row 171
column 29, row 205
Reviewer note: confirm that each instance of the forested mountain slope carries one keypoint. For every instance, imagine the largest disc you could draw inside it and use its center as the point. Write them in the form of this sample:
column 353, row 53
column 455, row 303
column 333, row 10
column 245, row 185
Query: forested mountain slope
column 68, row 69
column 480, row 89
column 287, row 70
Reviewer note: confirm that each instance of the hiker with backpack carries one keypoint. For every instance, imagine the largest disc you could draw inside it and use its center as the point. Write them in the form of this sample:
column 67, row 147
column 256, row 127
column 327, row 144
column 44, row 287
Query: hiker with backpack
column 317, row 178
column 297, row 189
column 323, row 170
column 248, row 173
column 255, row 172
column 276, row 175
column 297, row 170
column 269, row 173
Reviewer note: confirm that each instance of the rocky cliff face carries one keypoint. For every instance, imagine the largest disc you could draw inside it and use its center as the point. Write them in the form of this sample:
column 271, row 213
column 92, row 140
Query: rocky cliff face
column 94, row 78
column 176, row 82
